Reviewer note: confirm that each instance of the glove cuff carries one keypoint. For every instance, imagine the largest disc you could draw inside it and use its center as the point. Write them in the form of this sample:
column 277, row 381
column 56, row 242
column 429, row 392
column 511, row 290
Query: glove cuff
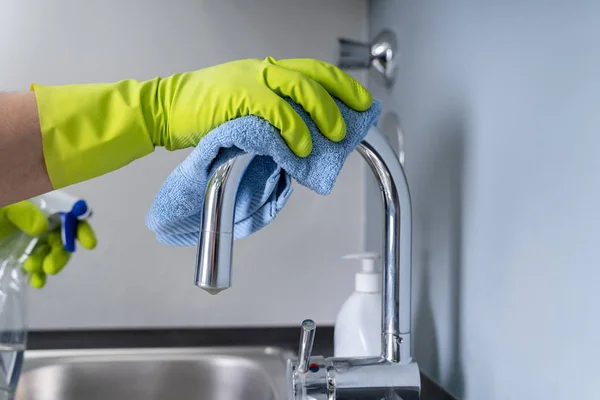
column 91, row 129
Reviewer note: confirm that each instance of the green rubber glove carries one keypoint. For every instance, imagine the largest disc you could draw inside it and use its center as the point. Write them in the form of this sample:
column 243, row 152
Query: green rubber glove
column 92, row 129
column 23, row 216
column 49, row 256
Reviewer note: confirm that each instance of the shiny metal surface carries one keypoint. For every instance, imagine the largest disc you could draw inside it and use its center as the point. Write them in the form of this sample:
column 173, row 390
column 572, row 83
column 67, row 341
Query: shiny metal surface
column 214, row 266
column 370, row 378
column 396, row 372
column 156, row 374
column 314, row 385
column 215, row 246
column 380, row 54
column 353, row 54
column 307, row 339
column 397, row 257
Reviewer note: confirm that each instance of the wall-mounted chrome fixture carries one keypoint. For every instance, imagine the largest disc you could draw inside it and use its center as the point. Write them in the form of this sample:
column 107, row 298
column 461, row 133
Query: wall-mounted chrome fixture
column 379, row 54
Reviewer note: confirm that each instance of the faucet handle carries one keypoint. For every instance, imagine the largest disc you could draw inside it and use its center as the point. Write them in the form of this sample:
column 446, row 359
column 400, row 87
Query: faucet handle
column 307, row 338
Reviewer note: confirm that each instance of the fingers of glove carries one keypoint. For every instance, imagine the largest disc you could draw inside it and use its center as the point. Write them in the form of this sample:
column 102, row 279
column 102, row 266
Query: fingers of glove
column 6, row 227
column 56, row 260
column 33, row 263
column 54, row 238
column 27, row 217
column 335, row 81
column 37, row 280
column 58, row 257
column 86, row 235
column 282, row 116
column 311, row 96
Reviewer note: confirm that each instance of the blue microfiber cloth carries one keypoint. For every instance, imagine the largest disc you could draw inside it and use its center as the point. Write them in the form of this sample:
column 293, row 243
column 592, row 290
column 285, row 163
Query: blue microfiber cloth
column 266, row 184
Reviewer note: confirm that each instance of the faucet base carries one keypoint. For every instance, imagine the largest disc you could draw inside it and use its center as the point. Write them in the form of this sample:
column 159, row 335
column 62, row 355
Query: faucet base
column 366, row 378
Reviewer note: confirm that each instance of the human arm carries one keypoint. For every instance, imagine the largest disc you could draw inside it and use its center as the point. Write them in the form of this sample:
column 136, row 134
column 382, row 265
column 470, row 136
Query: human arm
column 22, row 169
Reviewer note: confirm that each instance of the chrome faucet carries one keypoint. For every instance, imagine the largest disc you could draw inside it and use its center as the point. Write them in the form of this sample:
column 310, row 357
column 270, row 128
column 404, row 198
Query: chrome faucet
column 392, row 376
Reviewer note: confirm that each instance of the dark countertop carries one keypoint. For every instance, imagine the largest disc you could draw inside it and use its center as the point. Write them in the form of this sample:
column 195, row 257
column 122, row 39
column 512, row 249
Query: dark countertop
column 286, row 338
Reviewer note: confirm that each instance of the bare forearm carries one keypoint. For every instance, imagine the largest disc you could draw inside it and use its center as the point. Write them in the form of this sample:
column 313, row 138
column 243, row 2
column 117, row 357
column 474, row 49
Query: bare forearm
column 22, row 168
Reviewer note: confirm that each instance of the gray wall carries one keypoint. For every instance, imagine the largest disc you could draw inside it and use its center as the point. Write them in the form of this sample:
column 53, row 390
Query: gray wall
column 499, row 104
column 281, row 275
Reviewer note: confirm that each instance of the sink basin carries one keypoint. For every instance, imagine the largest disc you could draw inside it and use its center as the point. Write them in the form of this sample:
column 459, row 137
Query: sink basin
column 155, row 374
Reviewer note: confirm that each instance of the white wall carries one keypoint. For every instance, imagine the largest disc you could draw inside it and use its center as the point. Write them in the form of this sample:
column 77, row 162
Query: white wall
column 499, row 104
column 285, row 273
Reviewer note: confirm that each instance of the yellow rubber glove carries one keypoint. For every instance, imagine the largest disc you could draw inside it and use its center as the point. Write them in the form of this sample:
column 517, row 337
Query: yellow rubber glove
column 92, row 129
column 49, row 256
column 23, row 216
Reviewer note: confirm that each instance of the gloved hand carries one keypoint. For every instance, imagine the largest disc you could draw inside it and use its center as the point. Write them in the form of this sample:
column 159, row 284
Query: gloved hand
column 49, row 256
column 91, row 129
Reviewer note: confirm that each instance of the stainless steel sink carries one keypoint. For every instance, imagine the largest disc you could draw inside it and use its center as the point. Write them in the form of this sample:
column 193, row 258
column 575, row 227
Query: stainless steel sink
column 155, row 374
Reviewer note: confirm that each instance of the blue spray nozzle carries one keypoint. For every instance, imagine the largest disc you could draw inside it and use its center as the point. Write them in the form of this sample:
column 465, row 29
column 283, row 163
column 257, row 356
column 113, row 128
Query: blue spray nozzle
column 69, row 221
column 79, row 209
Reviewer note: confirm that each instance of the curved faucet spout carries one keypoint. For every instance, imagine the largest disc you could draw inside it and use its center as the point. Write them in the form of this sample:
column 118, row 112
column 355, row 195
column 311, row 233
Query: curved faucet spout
column 215, row 247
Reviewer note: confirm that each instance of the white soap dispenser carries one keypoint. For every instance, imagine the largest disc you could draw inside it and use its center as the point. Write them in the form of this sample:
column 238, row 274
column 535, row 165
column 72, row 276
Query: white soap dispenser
column 357, row 330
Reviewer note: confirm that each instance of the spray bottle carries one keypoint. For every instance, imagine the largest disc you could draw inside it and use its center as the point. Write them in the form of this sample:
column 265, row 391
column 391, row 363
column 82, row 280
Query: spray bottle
column 63, row 211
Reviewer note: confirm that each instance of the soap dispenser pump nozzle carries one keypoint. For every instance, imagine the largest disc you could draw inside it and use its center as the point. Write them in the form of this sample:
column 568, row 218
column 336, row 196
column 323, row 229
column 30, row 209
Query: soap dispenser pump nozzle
column 369, row 278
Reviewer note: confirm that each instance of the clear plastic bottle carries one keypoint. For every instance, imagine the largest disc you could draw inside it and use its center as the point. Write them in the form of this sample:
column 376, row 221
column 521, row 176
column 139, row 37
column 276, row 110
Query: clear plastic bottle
column 14, row 249
column 13, row 313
